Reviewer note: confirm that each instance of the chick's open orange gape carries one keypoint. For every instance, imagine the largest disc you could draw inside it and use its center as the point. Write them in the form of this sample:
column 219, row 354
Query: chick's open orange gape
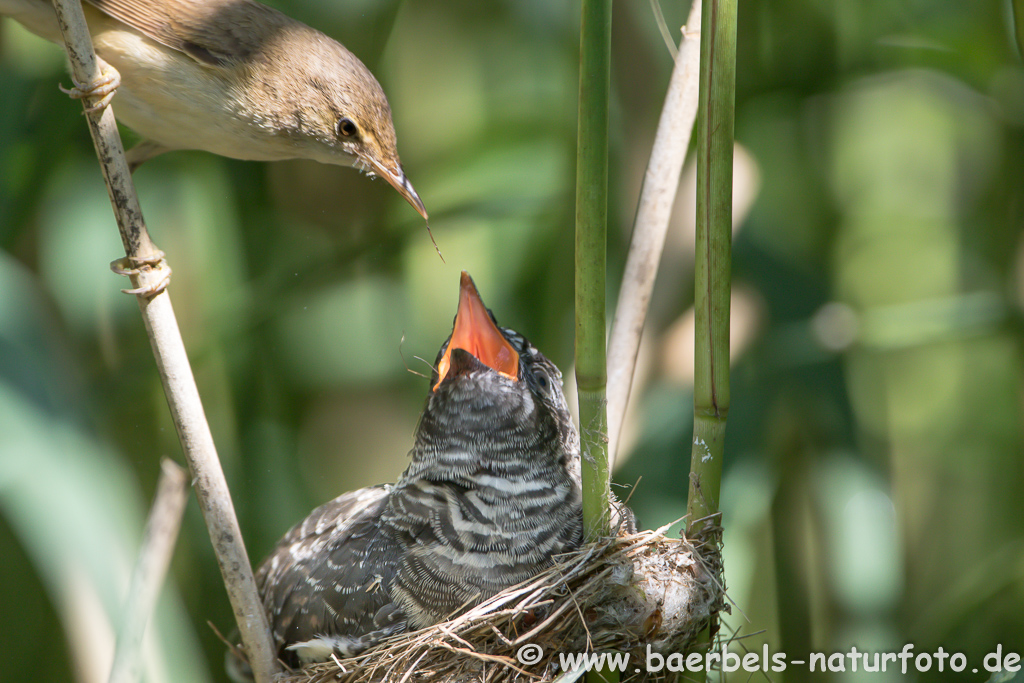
column 476, row 333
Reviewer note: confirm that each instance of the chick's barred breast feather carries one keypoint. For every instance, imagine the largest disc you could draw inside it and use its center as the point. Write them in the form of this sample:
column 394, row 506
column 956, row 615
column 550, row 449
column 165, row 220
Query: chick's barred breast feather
column 320, row 579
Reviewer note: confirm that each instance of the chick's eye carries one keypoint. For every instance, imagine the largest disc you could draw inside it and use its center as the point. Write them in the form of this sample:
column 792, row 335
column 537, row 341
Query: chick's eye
column 542, row 380
column 346, row 128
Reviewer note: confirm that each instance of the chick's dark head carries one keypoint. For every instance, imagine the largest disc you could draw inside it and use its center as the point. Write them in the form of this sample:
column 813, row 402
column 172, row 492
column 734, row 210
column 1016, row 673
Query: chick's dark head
column 492, row 380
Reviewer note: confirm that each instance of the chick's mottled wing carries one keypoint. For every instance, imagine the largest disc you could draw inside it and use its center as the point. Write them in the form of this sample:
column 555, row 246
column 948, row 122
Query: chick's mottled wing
column 327, row 575
column 216, row 32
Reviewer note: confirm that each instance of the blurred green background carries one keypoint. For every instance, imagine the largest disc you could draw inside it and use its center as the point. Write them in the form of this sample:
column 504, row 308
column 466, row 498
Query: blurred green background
column 874, row 483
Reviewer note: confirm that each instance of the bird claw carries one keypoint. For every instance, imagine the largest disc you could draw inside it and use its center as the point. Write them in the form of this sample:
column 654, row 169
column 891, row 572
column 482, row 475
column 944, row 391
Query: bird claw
column 105, row 87
column 138, row 265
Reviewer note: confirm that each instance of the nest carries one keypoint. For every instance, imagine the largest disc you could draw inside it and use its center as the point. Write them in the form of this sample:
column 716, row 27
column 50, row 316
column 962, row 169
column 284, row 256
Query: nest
column 622, row 594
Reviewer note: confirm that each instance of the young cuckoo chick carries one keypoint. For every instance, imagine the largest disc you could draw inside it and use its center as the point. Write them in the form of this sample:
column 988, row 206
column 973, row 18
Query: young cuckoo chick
column 491, row 494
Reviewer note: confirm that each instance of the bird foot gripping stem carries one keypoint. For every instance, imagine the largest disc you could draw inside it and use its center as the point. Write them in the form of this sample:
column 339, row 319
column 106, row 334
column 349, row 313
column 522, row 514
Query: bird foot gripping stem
column 105, row 87
column 143, row 265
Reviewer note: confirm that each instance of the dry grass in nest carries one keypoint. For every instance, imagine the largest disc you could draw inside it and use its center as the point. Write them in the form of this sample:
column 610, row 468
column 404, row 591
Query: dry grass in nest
column 619, row 594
